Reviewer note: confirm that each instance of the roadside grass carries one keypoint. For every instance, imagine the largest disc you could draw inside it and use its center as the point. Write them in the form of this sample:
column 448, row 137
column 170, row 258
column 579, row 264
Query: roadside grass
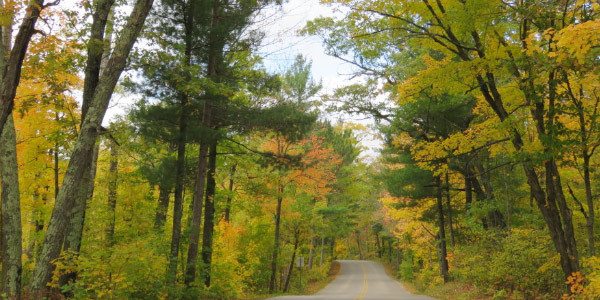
column 313, row 285
column 449, row 291
column 455, row 291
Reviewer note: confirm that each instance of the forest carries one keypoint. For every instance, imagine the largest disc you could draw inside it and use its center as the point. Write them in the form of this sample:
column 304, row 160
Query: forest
column 220, row 174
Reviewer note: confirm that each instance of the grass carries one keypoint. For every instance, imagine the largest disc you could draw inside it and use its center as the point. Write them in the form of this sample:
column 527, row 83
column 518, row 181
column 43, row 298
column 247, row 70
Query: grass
column 448, row 291
column 455, row 291
column 313, row 286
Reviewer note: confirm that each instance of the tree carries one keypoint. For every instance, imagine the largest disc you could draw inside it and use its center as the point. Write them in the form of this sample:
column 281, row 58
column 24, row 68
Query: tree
column 507, row 65
column 84, row 145
column 12, row 73
column 300, row 87
column 11, row 210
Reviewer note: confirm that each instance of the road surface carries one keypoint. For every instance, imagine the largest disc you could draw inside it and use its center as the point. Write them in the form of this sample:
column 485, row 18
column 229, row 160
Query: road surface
column 361, row 280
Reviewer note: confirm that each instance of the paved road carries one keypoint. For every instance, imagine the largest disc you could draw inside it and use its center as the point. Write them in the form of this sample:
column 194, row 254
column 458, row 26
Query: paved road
column 361, row 280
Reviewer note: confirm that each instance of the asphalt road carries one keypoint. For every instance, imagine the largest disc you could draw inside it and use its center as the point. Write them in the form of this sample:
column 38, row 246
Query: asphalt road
column 361, row 280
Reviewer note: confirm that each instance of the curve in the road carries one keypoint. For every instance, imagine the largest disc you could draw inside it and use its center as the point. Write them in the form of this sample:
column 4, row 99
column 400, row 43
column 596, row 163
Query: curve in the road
column 361, row 280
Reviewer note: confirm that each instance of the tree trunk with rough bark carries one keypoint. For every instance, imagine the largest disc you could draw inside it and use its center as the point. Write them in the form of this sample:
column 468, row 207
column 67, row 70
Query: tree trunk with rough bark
column 209, row 213
column 442, row 232
column 85, row 142
column 181, row 144
column 291, row 265
column 96, row 51
column 377, row 245
column 192, row 256
column 280, row 189
column 311, row 253
column 360, row 254
column 230, row 196
column 12, row 69
column 11, row 240
column 160, row 217
column 178, row 195
column 74, row 235
column 11, row 214
column 322, row 251
column 113, row 184
column 449, row 205
column 468, row 191
column 590, row 219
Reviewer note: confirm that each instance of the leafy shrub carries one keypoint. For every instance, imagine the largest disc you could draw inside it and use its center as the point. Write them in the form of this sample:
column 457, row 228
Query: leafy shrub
column 523, row 260
column 407, row 270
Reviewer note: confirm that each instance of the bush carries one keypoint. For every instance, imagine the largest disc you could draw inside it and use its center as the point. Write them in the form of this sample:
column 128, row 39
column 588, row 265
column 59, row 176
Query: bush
column 523, row 261
column 407, row 271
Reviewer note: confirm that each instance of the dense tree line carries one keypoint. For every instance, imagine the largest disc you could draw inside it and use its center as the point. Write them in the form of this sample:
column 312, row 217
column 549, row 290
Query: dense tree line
column 496, row 99
column 219, row 170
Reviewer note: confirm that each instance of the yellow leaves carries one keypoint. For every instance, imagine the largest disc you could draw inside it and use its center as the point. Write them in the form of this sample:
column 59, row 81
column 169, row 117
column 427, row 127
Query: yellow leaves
column 408, row 218
column 486, row 133
column 551, row 263
column 577, row 40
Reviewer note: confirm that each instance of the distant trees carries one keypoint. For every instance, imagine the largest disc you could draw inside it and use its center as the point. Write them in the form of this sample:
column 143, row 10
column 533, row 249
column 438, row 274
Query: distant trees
column 509, row 79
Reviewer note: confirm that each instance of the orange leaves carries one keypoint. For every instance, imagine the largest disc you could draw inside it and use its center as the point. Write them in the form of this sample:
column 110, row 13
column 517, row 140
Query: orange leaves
column 316, row 170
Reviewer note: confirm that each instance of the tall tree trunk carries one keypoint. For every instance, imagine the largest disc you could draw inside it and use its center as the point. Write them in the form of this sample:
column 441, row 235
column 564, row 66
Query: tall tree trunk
column 113, row 173
column 113, row 185
column 333, row 256
column 321, row 258
column 160, row 217
column 11, row 214
column 311, row 253
column 280, row 189
column 11, row 71
column 11, row 240
column 590, row 204
column 360, row 254
column 85, row 142
column 389, row 254
column 192, row 256
column 449, row 204
column 442, row 232
column 291, row 265
column 181, row 144
column 162, row 206
column 551, row 201
column 178, row 202
column 468, row 191
column 56, row 168
column 37, row 224
column 230, row 196
column 377, row 244
column 74, row 235
column 209, row 213
column 495, row 218
column 96, row 50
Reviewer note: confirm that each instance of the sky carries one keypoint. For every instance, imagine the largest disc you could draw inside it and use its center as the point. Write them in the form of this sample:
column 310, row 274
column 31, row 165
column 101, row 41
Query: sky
column 283, row 44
